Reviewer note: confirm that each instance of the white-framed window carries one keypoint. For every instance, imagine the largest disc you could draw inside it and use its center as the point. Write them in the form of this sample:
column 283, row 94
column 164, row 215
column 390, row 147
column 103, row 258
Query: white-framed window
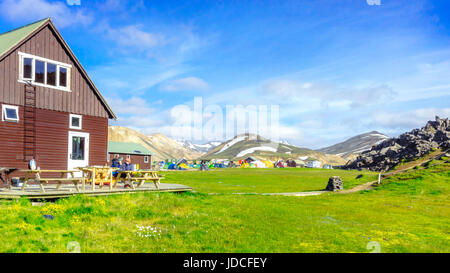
column 75, row 121
column 128, row 156
column 146, row 159
column 10, row 113
column 44, row 72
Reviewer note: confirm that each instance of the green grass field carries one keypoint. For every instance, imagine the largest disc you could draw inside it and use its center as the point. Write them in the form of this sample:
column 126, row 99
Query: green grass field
column 410, row 212
column 264, row 180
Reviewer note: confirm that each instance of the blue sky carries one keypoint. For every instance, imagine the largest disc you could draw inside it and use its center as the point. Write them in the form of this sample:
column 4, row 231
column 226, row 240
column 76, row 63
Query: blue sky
column 335, row 68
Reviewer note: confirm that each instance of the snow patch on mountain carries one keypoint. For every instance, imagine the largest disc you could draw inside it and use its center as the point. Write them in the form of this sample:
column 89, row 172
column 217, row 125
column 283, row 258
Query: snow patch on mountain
column 201, row 148
column 231, row 143
column 252, row 150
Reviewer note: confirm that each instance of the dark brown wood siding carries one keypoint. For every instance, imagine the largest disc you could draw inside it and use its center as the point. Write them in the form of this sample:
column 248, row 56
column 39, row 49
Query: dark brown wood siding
column 135, row 159
column 81, row 100
column 52, row 136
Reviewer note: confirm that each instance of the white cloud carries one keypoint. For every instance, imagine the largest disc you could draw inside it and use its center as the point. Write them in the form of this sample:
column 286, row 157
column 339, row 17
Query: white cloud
column 134, row 37
column 330, row 95
column 183, row 84
column 134, row 106
column 25, row 11
column 410, row 119
column 131, row 76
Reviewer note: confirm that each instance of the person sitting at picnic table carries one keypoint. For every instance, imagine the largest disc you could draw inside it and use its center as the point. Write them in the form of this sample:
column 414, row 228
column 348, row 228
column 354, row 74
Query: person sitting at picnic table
column 116, row 163
column 126, row 166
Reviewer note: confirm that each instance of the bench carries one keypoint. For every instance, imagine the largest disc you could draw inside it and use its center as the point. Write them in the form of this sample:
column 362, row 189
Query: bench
column 37, row 178
column 140, row 177
column 98, row 175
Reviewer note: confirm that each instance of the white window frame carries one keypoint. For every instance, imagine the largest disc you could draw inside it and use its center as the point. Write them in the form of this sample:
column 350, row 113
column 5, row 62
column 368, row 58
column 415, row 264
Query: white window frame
column 70, row 121
column 146, row 159
column 129, row 156
column 4, row 107
column 22, row 71
column 33, row 70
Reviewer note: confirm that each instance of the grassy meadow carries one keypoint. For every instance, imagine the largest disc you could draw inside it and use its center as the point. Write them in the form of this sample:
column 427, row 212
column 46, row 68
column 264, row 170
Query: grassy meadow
column 265, row 180
column 409, row 212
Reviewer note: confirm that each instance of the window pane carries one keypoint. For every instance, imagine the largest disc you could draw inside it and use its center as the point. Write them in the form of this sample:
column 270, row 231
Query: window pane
column 51, row 74
column 39, row 72
column 11, row 113
column 75, row 122
column 27, row 68
column 78, row 148
column 63, row 76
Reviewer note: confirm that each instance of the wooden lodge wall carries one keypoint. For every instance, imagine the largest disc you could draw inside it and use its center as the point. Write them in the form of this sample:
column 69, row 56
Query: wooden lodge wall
column 52, row 137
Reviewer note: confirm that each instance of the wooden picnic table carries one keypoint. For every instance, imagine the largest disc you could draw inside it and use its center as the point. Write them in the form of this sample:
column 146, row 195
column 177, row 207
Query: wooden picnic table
column 140, row 177
column 4, row 176
column 97, row 175
column 41, row 181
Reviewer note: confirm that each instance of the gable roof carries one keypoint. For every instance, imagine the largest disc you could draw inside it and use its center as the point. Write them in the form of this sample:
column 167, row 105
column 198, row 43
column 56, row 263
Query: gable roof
column 11, row 40
column 127, row 148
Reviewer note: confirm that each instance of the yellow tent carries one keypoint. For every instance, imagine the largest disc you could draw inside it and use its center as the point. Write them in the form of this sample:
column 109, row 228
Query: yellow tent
column 183, row 166
column 268, row 164
column 245, row 165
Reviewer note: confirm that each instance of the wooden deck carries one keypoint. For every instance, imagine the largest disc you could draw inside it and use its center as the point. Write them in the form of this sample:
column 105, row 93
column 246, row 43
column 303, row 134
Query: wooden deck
column 34, row 192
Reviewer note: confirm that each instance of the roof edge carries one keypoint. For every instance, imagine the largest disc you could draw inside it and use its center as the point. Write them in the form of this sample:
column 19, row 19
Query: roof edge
column 48, row 18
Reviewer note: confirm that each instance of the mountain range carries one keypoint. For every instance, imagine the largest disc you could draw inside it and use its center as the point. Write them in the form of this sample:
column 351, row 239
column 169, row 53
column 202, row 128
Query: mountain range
column 245, row 145
column 355, row 145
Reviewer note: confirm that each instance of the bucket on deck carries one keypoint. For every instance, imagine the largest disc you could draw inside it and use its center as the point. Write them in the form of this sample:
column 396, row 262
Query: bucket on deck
column 16, row 182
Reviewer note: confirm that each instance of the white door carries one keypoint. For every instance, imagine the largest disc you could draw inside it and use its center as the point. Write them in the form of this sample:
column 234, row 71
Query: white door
column 78, row 150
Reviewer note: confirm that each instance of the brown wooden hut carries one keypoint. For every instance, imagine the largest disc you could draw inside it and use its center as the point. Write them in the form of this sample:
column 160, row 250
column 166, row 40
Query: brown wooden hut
column 51, row 109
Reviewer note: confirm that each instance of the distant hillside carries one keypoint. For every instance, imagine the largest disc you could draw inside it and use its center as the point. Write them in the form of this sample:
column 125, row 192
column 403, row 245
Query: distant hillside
column 243, row 146
column 163, row 146
column 408, row 146
column 356, row 144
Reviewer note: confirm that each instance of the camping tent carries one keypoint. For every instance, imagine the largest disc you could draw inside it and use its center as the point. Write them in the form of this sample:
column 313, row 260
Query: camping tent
column 300, row 163
column 314, row 164
column 279, row 164
column 182, row 161
column 250, row 159
column 268, row 164
column 204, row 167
column 291, row 163
column 259, row 164
column 172, row 166
column 245, row 165
column 183, row 166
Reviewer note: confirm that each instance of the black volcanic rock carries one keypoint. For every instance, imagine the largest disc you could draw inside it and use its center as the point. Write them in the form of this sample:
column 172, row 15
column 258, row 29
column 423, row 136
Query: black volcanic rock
column 334, row 184
column 408, row 146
